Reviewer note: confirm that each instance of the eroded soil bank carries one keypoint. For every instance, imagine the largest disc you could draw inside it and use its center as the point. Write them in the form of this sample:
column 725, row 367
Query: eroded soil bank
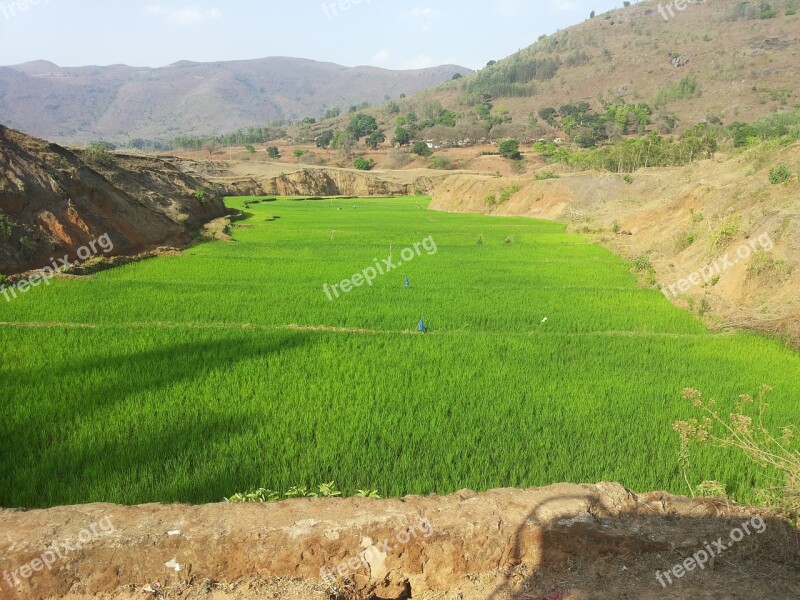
column 562, row 541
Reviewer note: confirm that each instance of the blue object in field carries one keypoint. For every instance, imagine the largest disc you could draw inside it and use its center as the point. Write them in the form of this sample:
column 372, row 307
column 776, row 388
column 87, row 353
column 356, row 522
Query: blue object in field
column 421, row 327
column 407, row 281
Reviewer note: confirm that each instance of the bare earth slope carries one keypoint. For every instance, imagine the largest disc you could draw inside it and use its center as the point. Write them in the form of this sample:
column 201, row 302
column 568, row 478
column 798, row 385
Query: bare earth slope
column 57, row 202
column 575, row 542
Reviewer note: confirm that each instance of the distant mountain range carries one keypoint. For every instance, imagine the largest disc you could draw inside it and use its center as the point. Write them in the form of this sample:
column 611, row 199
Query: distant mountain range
column 118, row 103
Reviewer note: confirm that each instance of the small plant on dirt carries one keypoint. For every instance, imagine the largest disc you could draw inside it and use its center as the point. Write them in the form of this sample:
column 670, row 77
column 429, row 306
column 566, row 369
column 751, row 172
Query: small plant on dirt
column 298, row 153
column 506, row 194
column 764, row 264
column 200, row 195
column 780, row 174
column 642, row 263
column 368, row 494
column 5, row 228
column 260, row 495
column 250, row 149
column 740, row 430
column 490, row 199
column 545, row 175
column 616, row 227
column 695, row 216
column 628, row 179
column 273, row 152
column 725, row 234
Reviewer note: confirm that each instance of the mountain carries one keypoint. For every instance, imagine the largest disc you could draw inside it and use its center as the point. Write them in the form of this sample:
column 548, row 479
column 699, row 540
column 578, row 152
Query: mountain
column 118, row 103
column 720, row 62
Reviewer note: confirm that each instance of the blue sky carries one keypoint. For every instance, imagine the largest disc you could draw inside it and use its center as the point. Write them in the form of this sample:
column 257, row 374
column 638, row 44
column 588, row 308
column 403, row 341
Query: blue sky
column 384, row 33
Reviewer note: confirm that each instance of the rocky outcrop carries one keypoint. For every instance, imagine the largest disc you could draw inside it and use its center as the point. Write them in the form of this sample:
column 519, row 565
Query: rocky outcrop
column 496, row 544
column 54, row 200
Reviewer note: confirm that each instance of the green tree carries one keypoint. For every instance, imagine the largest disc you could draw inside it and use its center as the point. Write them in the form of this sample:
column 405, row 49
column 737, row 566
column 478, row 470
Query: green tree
column 324, row 139
column 402, row 136
column 510, row 149
column 375, row 139
column 273, row 152
column 421, row 148
column 362, row 125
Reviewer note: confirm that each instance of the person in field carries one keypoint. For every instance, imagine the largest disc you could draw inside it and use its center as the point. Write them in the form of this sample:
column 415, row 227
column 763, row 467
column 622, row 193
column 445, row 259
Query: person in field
column 421, row 327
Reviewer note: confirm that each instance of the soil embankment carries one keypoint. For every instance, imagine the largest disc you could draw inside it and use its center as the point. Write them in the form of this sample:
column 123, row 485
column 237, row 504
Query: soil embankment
column 53, row 201
column 561, row 542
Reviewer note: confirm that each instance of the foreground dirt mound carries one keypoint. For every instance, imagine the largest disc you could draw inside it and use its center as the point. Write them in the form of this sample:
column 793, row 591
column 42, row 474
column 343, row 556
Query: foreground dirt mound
column 56, row 200
column 563, row 541
column 681, row 220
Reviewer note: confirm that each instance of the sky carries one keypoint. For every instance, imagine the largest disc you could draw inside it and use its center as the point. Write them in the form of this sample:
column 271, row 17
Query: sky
column 381, row 33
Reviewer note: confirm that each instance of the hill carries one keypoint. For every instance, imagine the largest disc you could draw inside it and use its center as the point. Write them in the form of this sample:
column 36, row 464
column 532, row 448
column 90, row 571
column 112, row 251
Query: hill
column 118, row 103
column 717, row 62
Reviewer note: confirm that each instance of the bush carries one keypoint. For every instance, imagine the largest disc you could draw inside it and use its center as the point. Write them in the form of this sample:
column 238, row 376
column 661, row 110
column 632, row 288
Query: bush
column 298, row 153
column 98, row 154
column 441, row 163
column 421, row 148
column 363, row 164
column 490, row 199
column 273, row 152
column 544, row 175
column 780, row 174
column 200, row 194
column 250, row 149
column 5, row 228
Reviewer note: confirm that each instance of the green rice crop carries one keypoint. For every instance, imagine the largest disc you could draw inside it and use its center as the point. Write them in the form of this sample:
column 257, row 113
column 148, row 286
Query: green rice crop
column 225, row 368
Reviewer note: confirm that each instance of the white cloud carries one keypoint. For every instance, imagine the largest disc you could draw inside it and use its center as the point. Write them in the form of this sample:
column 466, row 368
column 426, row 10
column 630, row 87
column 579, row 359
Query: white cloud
column 513, row 8
column 381, row 57
column 423, row 61
column 191, row 15
column 427, row 15
column 564, row 5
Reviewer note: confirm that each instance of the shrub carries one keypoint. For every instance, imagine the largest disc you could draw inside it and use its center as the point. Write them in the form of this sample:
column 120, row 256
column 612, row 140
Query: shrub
column 98, row 154
column 616, row 227
column 780, row 174
column 490, row 200
column 250, row 149
column 200, row 194
column 628, row 179
column 545, row 175
column 441, row 163
column 363, row 164
column 298, row 153
column 273, row 152
column 5, row 227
